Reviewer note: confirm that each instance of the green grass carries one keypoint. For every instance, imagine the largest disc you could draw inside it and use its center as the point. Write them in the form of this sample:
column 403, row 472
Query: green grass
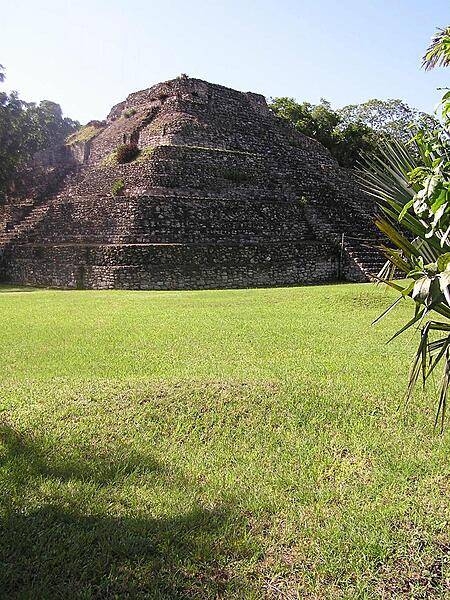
column 84, row 134
column 218, row 444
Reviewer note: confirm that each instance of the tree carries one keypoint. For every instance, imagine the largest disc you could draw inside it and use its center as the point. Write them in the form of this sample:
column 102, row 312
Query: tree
column 25, row 128
column 391, row 119
column 317, row 122
column 13, row 135
column 351, row 142
column 346, row 141
column 49, row 127
column 413, row 191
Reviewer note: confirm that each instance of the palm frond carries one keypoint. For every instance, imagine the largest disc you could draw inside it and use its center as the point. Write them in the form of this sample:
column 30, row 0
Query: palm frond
column 387, row 271
column 438, row 52
column 384, row 176
column 419, row 316
column 428, row 355
column 397, row 238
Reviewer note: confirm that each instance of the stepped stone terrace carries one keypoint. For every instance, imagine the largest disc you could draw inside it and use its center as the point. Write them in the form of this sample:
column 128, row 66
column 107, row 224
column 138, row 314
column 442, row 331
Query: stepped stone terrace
column 222, row 193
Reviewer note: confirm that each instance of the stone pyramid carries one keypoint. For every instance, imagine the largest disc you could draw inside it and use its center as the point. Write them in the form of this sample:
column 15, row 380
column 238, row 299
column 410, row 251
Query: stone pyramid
column 221, row 194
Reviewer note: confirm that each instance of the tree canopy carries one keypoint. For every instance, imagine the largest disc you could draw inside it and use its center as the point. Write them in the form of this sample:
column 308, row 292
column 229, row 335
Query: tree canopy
column 390, row 119
column 25, row 128
column 353, row 130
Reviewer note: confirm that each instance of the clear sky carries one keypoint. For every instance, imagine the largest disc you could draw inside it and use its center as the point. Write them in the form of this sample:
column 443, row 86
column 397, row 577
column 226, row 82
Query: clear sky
column 90, row 54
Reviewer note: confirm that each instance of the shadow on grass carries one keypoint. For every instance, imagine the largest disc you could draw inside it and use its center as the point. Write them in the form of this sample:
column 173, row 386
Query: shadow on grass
column 57, row 553
column 56, row 549
column 27, row 458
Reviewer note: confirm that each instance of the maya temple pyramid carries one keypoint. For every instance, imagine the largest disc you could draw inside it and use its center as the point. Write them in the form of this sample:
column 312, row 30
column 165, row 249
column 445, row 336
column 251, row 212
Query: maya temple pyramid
column 221, row 194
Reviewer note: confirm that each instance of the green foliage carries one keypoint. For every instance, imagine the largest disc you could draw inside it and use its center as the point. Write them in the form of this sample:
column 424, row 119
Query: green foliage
column 354, row 130
column 129, row 112
column 314, row 121
column 110, row 160
column 49, row 127
column 84, row 134
column 350, row 142
column 145, row 153
column 26, row 128
column 413, row 197
column 412, row 186
column 388, row 119
column 118, row 187
column 127, row 153
column 438, row 53
column 346, row 141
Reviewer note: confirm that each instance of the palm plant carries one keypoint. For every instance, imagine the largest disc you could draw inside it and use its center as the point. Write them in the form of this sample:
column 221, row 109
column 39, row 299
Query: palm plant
column 417, row 227
column 438, row 52
column 411, row 184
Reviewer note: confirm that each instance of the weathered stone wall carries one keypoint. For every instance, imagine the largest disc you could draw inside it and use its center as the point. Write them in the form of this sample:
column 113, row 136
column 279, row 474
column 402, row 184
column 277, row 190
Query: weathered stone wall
column 172, row 266
column 185, row 167
column 170, row 219
column 196, row 113
column 12, row 214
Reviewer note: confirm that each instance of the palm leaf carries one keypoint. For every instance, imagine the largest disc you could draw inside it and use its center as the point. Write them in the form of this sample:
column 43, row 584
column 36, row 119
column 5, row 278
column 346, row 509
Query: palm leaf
column 426, row 350
column 384, row 176
column 444, row 390
column 416, row 247
column 418, row 316
column 397, row 238
column 438, row 52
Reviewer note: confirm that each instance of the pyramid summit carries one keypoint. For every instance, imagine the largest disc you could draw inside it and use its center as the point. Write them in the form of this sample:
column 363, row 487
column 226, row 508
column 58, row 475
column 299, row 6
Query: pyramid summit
column 187, row 185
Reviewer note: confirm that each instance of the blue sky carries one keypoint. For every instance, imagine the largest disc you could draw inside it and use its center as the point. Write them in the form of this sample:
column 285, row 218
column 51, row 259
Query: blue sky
column 88, row 55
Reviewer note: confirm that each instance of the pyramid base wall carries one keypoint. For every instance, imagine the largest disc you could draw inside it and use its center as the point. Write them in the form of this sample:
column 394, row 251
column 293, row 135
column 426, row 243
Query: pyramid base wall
column 171, row 267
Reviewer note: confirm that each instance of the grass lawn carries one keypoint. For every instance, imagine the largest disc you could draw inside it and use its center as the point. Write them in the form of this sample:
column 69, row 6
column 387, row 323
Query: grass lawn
column 216, row 444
